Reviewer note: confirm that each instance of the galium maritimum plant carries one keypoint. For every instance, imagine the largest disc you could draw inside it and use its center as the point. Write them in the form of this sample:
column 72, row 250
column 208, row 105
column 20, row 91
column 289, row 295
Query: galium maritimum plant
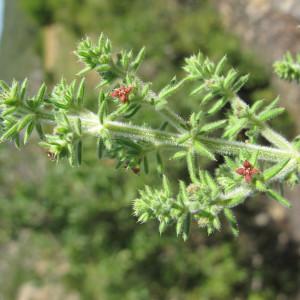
column 245, row 166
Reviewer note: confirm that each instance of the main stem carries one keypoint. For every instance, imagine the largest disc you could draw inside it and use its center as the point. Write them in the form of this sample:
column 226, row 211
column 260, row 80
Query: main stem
column 91, row 125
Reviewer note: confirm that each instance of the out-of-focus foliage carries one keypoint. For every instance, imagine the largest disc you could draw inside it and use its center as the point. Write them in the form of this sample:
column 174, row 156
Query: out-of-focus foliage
column 48, row 11
column 42, row 12
column 288, row 68
column 87, row 210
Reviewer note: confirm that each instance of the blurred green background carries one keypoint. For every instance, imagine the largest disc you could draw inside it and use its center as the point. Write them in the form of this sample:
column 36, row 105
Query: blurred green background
column 70, row 233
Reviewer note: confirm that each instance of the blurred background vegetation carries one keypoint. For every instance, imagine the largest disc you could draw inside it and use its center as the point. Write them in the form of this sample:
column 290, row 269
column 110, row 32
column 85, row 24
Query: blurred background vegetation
column 69, row 233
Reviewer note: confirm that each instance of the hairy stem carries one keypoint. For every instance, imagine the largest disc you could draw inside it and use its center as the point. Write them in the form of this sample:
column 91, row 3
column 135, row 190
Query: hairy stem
column 175, row 120
column 92, row 126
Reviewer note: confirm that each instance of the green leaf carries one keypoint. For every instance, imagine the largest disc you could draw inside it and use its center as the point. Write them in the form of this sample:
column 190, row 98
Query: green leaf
column 253, row 158
column 170, row 88
column 77, row 126
column 182, row 192
column 230, row 78
column 276, row 196
column 9, row 111
column 274, row 170
column 191, row 166
column 28, row 131
column 240, row 83
column 198, row 89
column 220, row 66
column 230, row 163
column 260, row 186
column 24, row 122
column 233, row 202
column 213, row 126
column 102, row 113
column 234, row 129
column 39, row 130
column 203, row 150
column 162, row 227
column 23, row 89
column 211, row 183
column 131, row 111
column 10, row 132
column 232, row 221
column 272, row 104
column 4, row 86
column 160, row 104
column 179, row 225
column 270, row 114
column 179, row 155
column 186, row 226
column 166, row 186
column 217, row 106
column 208, row 98
column 41, row 95
column 80, row 93
column 256, row 106
column 138, row 60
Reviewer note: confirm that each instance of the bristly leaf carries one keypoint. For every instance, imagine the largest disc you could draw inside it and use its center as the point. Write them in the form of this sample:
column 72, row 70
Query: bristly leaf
column 276, row 196
column 179, row 155
column 166, row 186
column 190, row 159
column 80, row 93
column 138, row 60
column 232, row 221
column 212, row 126
column 203, row 150
column 270, row 114
column 211, row 184
column 274, row 170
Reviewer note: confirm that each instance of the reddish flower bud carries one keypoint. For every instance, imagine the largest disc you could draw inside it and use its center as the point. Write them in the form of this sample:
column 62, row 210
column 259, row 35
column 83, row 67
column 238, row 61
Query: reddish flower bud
column 248, row 178
column 240, row 171
column 122, row 93
column 247, row 171
column 247, row 164
column 254, row 171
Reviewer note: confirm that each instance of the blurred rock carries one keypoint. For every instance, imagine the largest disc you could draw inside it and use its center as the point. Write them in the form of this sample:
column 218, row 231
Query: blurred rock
column 48, row 292
column 269, row 27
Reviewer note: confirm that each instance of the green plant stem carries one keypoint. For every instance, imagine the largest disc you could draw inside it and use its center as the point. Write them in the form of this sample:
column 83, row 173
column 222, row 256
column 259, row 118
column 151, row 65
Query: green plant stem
column 160, row 138
column 174, row 119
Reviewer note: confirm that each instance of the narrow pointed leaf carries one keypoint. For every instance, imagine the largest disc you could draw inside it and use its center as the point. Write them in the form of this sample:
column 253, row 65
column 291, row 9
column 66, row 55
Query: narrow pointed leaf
column 274, row 170
column 203, row 150
column 276, row 196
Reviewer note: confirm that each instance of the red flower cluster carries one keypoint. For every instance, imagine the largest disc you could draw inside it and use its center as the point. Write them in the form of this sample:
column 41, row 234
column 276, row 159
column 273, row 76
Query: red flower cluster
column 247, row 171
column 122, row 93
